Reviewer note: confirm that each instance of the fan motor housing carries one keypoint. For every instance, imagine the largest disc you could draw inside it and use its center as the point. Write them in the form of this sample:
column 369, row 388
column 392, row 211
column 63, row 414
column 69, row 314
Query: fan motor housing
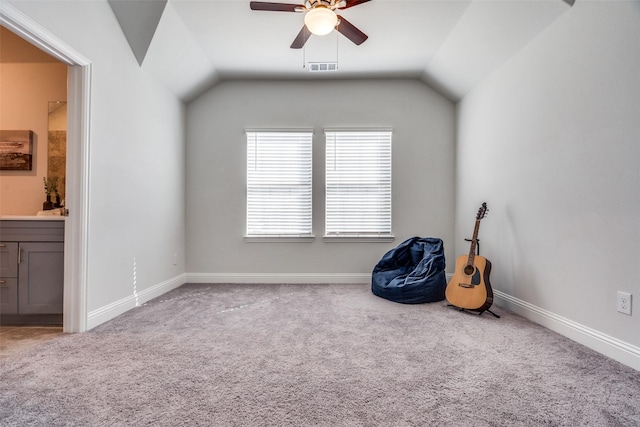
column 330, row 4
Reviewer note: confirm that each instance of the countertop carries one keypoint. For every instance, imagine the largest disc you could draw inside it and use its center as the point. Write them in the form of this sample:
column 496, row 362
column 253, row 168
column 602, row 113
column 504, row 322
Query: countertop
column 32, row 218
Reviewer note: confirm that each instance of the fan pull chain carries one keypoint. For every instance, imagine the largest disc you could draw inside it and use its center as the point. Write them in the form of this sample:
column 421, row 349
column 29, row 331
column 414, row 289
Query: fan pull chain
column 337, row 50
column 304, row 51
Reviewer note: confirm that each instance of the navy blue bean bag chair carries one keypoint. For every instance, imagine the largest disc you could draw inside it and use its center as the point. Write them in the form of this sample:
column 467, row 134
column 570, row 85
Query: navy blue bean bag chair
column 412, row 272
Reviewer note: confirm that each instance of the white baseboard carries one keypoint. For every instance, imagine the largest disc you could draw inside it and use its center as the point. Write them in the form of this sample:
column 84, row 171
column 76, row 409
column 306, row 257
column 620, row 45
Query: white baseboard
column 278, row 278
column 110, row 311
column 614, row 348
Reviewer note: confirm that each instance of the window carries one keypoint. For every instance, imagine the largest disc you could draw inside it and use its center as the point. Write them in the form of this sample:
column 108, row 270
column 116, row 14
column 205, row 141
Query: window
column 358, row 184
column 279, row 184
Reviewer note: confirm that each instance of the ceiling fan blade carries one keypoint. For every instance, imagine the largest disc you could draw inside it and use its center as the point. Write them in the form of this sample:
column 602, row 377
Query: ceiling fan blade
column 351, row 3
column 274, row 7
column 301, row 38
column 350, row 31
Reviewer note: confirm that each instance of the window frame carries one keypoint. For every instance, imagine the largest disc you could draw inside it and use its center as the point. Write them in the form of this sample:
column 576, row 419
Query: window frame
column 279, row 236
column 362, row 236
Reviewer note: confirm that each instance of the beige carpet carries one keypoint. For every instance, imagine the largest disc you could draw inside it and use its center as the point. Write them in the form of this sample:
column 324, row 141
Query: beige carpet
column 301, row 355
column 16, row 339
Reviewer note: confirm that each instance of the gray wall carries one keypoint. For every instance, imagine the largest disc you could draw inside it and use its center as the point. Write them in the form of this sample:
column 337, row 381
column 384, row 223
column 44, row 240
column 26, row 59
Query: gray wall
column 137, row 164
column 552, row 141
column 423, row 170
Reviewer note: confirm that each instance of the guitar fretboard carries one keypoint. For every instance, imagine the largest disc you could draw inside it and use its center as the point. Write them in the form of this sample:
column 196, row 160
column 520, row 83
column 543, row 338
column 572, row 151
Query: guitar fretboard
column 474, row 241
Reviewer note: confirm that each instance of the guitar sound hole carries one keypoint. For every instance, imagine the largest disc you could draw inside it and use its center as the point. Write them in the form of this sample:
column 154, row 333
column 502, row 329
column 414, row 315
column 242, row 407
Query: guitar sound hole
column 469, row 269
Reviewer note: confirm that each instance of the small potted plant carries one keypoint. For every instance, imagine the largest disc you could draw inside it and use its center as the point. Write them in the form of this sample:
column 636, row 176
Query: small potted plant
column 50, row 186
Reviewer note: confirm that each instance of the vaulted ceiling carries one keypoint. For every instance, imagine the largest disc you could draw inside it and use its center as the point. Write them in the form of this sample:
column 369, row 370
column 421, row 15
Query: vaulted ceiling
column 450, row 44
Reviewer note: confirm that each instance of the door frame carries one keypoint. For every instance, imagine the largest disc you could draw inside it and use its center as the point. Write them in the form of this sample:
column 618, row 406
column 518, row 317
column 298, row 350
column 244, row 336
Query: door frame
column 77, row 172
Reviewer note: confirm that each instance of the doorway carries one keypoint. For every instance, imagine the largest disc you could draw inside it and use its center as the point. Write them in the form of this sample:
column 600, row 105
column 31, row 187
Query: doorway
column 77, row 169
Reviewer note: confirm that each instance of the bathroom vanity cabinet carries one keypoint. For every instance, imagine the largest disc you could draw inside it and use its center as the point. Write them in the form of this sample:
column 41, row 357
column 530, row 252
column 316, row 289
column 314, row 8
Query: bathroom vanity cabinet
column 31, row 267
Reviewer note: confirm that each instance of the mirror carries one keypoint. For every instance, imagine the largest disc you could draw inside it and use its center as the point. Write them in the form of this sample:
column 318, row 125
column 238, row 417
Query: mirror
column 57, row 139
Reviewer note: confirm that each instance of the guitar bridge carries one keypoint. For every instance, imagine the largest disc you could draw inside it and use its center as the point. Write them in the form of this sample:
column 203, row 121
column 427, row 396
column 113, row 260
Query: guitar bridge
column 466, row 285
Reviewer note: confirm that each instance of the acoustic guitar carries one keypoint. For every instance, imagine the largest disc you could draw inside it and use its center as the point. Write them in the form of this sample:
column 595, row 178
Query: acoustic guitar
column 469, row 288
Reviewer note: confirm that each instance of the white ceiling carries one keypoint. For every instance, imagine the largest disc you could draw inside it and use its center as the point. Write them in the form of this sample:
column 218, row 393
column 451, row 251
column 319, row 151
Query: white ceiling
column 450, row 44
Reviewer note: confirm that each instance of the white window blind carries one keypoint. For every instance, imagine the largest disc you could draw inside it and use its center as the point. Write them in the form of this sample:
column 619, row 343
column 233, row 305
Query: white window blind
column 358, row 183
column 279, row 183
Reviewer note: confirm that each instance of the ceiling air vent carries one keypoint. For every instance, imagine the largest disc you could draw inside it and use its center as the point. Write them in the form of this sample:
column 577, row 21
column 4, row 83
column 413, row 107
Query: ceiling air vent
column 323, row 66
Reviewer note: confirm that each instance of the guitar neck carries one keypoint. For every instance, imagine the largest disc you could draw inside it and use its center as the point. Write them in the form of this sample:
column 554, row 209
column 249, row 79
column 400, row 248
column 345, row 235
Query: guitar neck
column 474, row 242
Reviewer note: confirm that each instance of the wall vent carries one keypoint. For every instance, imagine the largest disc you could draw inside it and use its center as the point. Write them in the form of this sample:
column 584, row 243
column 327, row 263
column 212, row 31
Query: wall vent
column 323, row 66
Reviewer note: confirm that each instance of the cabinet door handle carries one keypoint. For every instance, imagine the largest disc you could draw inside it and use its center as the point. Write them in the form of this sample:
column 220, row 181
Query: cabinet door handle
column 2, row 282
column 20, row 255
column 2, row 245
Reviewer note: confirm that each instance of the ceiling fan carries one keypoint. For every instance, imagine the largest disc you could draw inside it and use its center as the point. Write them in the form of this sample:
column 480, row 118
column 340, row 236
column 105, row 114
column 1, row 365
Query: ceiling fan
column 320, row 18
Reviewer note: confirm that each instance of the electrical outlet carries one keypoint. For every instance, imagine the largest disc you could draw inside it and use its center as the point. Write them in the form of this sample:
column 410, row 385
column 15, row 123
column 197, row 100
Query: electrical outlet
column 624, row 302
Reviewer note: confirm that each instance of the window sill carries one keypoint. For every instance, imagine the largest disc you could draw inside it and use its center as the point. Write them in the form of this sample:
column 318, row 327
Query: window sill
column 359, row 239
column 279, row 239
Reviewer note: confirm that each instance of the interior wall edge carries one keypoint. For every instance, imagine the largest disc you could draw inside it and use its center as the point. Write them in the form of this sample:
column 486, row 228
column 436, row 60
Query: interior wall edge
column 110, row 311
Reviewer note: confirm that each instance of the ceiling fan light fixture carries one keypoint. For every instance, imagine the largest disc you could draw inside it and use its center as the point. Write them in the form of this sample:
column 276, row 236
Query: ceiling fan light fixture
column 321, row 20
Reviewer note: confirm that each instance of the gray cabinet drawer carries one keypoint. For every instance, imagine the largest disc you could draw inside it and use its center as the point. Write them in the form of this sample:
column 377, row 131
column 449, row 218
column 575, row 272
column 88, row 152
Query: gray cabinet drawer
column 8, row 259
column 32, row 231
column 9, row 296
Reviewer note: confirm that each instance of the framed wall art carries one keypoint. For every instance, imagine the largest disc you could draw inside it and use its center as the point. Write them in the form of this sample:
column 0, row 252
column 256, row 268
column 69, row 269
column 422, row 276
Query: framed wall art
column 16, row 150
